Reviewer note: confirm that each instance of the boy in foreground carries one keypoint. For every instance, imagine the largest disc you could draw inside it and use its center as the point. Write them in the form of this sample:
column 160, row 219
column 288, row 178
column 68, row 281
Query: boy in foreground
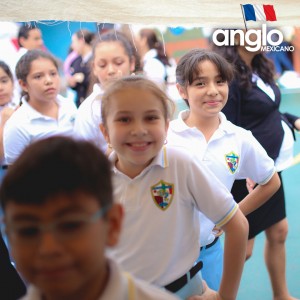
column 59, row 217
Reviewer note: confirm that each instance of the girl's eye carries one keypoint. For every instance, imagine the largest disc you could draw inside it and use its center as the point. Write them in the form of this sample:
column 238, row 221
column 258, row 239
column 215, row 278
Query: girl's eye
column 37, row 76
column 198, row 82
column 124, row 120
column 152, row 118
column 118, row 63
column 4, row 80
column 53, row 73
column 221, row 81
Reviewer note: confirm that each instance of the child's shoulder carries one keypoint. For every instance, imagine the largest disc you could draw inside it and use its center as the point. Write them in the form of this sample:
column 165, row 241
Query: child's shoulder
column 93, row 99
column 20, row 115
column 181, row 155
column 237, row 130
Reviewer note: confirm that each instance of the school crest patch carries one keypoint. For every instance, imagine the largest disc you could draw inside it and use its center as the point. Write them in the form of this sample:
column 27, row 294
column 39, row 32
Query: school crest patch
column 162, row 194
column 232, row 161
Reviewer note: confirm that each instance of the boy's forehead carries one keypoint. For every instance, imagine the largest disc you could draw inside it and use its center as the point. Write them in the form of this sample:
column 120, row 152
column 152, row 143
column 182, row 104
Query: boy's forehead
column 53, row 207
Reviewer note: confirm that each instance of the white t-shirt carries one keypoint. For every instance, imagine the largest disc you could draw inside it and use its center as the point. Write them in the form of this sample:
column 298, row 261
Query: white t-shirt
column 153, row 68
column 11, row 105
column 89, row 118
column 160, row 237
column 27, row 125
column 231, row 153
column 119, row 287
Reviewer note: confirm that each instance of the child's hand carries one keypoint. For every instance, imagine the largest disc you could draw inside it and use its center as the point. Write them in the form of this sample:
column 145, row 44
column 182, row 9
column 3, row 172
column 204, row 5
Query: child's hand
column 250, row 184
column 208, row 294
column 297, row 124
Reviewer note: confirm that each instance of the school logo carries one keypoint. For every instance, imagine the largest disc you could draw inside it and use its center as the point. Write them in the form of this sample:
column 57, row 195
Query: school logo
column 263, row 39
column 162, row 194
column 232, row 161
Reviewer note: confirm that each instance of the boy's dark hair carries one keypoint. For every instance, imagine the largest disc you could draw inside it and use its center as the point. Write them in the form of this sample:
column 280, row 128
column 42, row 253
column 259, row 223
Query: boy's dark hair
column 57, row 166
column 24, row 32
column 85, row 34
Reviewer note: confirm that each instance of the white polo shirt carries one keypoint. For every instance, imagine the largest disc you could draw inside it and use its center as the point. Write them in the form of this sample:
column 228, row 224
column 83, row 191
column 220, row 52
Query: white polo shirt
column 120, row 286
column 153, row 68
column 88, row 119
column 27, row 125
column 231, row 153
column 11, row 105
column 160, row 237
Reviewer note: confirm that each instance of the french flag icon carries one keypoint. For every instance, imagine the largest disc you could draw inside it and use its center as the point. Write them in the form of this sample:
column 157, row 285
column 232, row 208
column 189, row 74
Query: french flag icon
column 259, row 12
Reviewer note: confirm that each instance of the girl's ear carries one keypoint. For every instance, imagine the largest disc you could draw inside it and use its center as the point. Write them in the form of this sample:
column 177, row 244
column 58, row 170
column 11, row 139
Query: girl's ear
column 104, row 132
column 23, row 85
column 182, row 91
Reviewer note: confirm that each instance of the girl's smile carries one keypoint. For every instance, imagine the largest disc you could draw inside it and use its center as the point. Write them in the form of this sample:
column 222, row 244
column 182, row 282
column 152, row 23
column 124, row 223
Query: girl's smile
column 136, row 128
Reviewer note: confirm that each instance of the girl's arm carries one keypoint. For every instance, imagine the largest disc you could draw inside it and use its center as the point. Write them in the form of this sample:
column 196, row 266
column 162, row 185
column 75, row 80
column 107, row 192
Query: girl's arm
column 236, row 237
column 258, row 196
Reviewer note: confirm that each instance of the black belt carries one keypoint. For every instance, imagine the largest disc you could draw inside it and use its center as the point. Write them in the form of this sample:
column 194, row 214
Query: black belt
column 210, row 245
column 179, row 283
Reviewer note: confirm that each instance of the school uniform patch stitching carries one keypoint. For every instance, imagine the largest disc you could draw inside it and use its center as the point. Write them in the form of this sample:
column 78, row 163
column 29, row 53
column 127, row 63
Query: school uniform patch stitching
column 162, row 194
column 232, row 161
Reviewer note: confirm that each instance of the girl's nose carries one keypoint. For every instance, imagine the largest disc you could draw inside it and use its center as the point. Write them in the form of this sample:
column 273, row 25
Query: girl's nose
column 111, row 69
column 212, row 91
column 139, row 129
column 48, row 79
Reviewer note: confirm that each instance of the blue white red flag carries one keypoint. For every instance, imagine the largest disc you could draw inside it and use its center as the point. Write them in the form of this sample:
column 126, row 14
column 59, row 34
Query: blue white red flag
column 259, row 12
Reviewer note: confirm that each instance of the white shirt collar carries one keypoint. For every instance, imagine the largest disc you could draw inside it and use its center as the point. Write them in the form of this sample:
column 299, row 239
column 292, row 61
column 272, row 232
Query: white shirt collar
column 161, row 159
column 266, row 88
column 97, row 89
column 33, row 113
column 179, row 125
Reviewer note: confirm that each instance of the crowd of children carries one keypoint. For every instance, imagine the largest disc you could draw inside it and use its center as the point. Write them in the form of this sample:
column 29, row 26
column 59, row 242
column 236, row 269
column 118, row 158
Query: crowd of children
column 144, row 220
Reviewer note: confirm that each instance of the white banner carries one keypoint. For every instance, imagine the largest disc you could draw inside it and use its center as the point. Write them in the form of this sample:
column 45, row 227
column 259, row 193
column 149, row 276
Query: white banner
column 148, row 12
